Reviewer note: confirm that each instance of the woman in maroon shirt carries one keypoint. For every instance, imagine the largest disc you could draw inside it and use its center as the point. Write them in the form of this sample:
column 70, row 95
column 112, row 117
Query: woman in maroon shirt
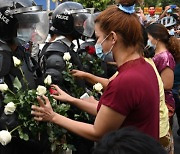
column 132, row 98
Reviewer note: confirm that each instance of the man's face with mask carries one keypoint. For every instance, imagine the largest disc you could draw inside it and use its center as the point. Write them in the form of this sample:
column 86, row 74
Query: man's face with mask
column 151, row 11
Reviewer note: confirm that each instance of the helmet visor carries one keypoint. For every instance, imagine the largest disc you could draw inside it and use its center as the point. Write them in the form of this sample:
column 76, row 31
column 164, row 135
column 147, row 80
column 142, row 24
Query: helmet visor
column 89, row 25
column 21, row 3
column 38, row 22
column 84, row 23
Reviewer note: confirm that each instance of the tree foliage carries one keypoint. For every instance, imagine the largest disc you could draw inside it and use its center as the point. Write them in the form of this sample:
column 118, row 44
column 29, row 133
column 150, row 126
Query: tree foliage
column 100, row 5
column 162, row 3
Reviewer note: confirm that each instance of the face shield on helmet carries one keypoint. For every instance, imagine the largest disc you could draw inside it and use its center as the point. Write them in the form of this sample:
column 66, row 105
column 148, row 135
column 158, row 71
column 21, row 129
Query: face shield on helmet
column 84, row 23
column 33, row 26
column 32, row 22
column 89, row 25
column 17, row 3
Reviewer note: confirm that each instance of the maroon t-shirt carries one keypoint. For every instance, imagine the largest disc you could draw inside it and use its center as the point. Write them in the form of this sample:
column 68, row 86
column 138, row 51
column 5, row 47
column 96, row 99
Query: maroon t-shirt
column 134, row 93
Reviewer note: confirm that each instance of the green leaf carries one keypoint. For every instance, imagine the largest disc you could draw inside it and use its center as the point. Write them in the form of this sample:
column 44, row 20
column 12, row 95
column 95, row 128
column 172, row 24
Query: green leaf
column 26, row 137
column 17, row 84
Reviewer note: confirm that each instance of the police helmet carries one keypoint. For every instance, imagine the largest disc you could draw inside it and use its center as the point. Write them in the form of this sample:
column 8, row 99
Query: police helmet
column 69, row 18
column 168, row 21
column 23, row 19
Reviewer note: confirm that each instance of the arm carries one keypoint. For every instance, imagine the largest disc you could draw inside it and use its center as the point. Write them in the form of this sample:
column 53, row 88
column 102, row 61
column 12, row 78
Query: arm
column 87, row 106
column 167, row 76
column 164, row 12
column 142, row 15
column 103, row 124
column 90, row 77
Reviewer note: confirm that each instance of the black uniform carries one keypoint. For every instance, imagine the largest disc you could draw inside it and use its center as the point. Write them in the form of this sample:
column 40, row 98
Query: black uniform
column 7, row 74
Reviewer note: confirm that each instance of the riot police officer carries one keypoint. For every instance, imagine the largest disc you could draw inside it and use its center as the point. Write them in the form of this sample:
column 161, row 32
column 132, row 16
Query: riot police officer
column 67, row 21
column 21, row 21
column 68, row 24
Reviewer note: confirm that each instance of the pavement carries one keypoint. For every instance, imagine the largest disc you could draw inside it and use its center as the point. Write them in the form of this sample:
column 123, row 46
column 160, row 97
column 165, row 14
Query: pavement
column 176, row 137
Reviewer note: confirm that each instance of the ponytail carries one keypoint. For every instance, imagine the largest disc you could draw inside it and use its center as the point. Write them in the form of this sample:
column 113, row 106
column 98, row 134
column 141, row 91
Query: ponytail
column 174, row 47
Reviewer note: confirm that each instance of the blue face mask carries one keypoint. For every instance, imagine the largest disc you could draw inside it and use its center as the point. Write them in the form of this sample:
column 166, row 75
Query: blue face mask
column 171, row 32
column 99, row 49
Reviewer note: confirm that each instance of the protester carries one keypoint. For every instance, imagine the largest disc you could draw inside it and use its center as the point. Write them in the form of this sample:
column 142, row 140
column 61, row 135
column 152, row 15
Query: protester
column 167, row 51
column 136, row 78
column 151, row 17
column 165, row 135
column 128, row 141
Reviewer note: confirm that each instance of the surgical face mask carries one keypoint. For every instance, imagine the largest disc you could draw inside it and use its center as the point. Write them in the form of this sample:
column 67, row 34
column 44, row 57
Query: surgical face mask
column 149, row 43
column 24, row 35
column 101, row 54
column 171, row 32
column 99, row 49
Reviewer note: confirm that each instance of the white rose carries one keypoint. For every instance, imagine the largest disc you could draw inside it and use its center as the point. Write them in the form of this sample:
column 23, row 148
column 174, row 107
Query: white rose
column 41, row 90
column 17, row 62
column 98, row 87
column 69, row 65
column 67, row 56
column 9, row 108
column 5, row 137
column 48, row 80
column 3, row 87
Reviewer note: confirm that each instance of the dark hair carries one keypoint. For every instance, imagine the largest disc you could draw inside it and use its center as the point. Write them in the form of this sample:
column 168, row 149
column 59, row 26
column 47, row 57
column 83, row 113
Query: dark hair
column 160, row 32
column 127, row 25
column 149, row 52
column 128, row 141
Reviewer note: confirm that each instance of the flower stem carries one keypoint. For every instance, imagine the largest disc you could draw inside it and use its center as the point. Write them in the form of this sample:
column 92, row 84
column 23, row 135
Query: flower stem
column 11, row 92
column 18, row 127
column 24, row 79
column 15, row 128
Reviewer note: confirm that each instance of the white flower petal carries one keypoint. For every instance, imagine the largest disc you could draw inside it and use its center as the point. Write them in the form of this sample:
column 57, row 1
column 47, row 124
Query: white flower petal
column 67, row 56
column 98, row 87
column 5, row 137
column 41, row 90
column 3, row 87
column 9, row 108
column 17, row 62
column 48, row 80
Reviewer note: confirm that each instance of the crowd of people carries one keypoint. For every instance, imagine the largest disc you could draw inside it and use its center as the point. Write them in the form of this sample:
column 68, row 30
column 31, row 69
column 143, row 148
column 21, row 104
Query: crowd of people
column 139, row 55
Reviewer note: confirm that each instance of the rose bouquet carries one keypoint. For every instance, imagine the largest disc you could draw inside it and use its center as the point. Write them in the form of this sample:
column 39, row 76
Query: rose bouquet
column 91, row 63
column 18, row 103
column 71, row 86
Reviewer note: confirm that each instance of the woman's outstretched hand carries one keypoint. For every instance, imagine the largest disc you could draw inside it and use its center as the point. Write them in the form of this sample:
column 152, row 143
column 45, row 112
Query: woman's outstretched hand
column 78, row 73
column 61, row 95
column 44, row 112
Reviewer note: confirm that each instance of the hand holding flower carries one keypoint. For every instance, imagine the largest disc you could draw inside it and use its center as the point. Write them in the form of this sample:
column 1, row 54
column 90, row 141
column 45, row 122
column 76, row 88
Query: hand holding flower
column 61, row 95
column 45, row 111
